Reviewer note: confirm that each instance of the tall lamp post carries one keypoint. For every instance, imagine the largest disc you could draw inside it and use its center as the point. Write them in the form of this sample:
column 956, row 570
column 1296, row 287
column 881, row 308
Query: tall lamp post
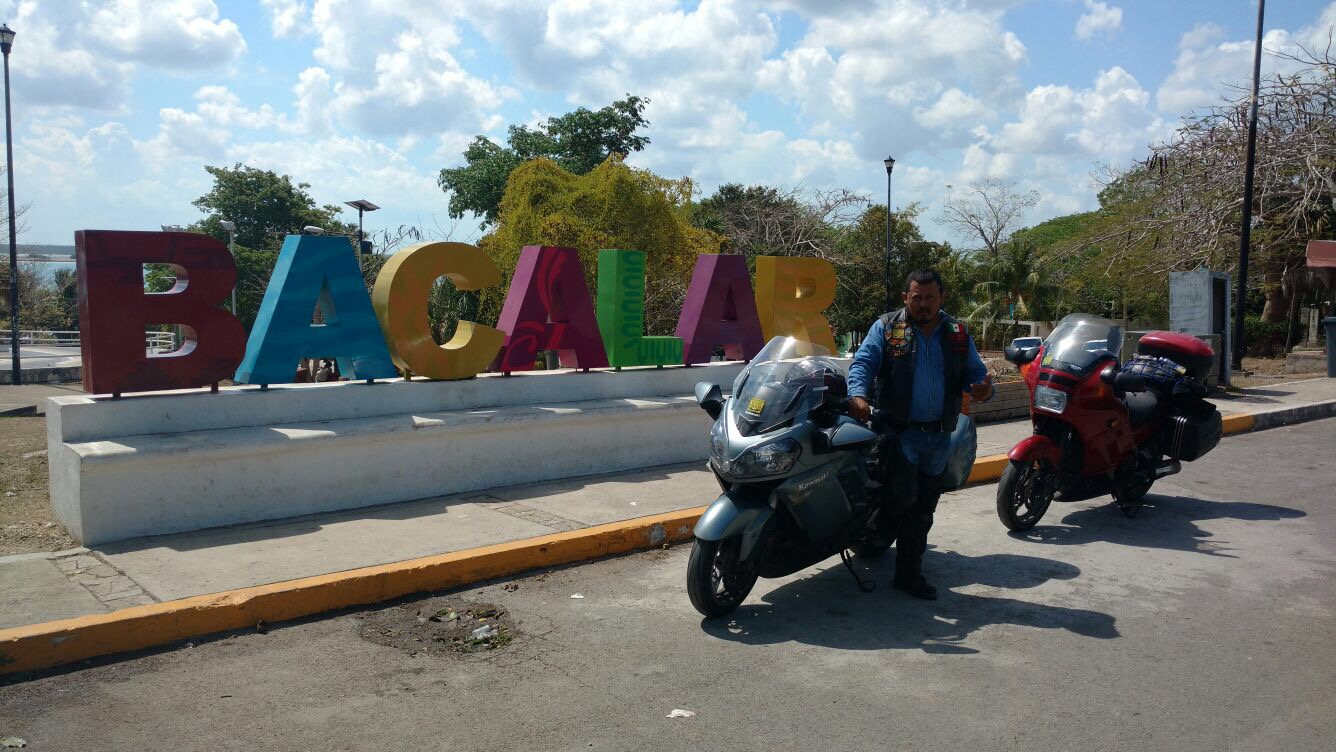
column 231, row 228
column 6, row 44
column 1245, row 236
column 361, row 205
column 890, row 294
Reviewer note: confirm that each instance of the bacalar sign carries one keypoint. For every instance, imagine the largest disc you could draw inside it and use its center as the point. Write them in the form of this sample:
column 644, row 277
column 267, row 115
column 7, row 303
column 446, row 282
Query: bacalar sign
column 547, row 307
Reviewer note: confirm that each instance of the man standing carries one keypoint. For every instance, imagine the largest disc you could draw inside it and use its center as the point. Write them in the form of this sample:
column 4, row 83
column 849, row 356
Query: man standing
column 922, row 361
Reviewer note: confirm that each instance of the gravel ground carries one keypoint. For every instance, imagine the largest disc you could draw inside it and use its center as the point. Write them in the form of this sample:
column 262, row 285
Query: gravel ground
column 26, row 522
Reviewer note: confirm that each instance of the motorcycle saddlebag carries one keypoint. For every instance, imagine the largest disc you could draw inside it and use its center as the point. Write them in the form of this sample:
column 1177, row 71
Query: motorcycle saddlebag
column 1192, row 435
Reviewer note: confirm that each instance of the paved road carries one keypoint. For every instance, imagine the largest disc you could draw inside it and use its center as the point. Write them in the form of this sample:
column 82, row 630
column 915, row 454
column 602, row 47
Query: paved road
column 1208, row 622
column 43, row 356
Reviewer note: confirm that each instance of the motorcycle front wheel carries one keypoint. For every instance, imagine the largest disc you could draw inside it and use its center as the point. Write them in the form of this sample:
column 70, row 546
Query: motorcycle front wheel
column 1024, row 493
column 717, row 582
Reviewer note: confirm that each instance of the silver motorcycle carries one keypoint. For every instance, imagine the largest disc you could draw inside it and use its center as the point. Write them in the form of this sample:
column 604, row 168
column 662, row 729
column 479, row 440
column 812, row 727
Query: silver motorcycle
column 797, row 476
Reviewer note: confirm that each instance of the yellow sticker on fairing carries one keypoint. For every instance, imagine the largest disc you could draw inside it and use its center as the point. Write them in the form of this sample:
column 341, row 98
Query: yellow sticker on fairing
column 756, row 405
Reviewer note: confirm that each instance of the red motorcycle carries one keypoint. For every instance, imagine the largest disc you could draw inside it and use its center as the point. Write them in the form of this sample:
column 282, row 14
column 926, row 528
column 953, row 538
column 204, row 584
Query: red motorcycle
column 1104, row 428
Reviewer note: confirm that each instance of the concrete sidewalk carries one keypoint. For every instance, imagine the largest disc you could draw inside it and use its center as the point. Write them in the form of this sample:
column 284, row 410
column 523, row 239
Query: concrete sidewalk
column 42, row 587
column 30, row 399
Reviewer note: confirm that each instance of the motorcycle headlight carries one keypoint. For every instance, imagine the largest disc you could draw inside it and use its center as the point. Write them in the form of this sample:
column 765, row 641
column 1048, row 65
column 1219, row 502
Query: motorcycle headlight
column 719, row 444
column 768, row 459
column 1050, row 399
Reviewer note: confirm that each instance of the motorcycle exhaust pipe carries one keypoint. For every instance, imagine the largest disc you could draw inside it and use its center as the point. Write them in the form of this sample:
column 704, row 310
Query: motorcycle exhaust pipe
column 1168, row 467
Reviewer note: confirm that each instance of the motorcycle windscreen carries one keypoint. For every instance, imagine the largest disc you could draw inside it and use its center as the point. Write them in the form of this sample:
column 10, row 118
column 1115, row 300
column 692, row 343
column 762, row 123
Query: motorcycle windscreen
column 780, row 383
column 1081, row 341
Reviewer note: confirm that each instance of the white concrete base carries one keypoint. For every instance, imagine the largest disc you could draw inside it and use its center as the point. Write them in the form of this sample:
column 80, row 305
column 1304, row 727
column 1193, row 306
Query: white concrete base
column 178, row 461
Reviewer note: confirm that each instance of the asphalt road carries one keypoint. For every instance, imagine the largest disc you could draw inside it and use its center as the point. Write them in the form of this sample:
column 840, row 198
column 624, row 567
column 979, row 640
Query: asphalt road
column 1207, row 622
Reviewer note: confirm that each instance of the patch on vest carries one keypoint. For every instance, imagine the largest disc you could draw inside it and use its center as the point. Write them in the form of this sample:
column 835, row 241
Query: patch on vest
column 897, row 340
column 959, row 340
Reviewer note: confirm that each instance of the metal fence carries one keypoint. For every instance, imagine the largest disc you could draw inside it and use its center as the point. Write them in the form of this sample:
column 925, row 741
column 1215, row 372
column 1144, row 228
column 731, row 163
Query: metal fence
column 154, row 342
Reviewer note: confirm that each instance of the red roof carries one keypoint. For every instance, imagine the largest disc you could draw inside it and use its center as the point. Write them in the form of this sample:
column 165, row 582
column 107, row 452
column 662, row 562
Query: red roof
column 1322, row 254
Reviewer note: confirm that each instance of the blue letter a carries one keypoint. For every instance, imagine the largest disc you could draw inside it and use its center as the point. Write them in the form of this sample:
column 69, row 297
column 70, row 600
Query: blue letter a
column 315, row 270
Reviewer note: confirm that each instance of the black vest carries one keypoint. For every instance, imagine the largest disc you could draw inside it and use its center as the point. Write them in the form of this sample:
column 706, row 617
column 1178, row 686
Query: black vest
column 895, row 380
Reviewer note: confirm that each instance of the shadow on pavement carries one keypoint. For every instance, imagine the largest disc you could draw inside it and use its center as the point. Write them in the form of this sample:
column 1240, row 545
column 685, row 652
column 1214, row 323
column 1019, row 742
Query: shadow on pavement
column 1166, row 522
column 827, row 609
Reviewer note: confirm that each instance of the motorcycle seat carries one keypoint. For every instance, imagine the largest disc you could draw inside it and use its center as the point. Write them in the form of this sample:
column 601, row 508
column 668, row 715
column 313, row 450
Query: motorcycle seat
column 1142, row 408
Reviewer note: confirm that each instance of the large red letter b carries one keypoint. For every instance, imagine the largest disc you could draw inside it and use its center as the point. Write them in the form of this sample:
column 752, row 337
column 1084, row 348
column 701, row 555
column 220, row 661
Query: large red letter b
column 114, row 311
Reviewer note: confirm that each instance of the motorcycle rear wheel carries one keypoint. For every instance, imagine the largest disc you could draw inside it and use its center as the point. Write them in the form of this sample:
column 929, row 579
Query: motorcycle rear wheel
column 717, row 583
column 1027, row 486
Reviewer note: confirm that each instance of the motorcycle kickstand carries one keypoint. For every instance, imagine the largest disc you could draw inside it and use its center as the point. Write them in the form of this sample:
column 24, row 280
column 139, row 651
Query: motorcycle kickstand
column 1129, row 510
column 866, row 586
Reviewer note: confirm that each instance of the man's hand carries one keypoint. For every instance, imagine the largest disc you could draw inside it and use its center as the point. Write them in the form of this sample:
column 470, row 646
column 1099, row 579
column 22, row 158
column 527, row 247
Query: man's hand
column 859, row 409
column 981, row 392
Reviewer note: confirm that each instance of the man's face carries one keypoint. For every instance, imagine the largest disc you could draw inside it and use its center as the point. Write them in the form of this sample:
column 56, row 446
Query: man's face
column 923, row 302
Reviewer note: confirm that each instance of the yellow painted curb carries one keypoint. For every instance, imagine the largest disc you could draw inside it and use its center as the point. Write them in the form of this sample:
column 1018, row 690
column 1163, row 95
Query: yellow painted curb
column 56, row 643
column 1238, row 423
column 988, row 468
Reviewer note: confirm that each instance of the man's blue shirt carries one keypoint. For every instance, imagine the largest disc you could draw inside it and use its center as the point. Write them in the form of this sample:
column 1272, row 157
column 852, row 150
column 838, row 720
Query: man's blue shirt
column 929, row 369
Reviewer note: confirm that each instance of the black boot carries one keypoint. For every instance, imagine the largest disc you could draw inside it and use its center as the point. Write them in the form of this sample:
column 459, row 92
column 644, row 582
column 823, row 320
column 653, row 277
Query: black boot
column 914, row 583
column 914, row 528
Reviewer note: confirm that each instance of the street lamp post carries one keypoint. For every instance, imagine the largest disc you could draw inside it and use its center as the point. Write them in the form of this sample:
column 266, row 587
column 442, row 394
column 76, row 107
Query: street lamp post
column 231, row 228
column 360, row 205
column 890, row 293
column 6, row 44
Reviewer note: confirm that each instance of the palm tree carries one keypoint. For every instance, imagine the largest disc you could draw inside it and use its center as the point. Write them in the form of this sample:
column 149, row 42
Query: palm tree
column 1015, row 286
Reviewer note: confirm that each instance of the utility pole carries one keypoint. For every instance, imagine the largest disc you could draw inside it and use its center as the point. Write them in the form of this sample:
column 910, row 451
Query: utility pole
column 1245, row 235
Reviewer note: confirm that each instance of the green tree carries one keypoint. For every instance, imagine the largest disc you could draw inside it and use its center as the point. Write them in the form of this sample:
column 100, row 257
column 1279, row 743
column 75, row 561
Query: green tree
column 1014, row 285
column 860, row 266
column 577, row 142
column 613, row 206
column 265, row 207
column 46, row 301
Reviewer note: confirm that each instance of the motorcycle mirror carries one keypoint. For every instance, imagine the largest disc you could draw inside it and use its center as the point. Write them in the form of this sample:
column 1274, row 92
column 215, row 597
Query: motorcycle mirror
column 1020, row 355
column 710, row 398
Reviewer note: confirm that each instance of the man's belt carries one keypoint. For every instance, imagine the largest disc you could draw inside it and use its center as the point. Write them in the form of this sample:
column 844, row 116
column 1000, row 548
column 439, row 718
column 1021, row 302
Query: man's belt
column 926, row 426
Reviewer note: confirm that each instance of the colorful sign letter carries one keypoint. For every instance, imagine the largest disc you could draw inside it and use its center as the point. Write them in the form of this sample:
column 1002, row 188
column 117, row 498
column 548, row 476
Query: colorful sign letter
column 315, row 270
column 114, row 310
column 400, row 299
column 719, row 310
column 791, row 293
column 621, row 313
column 548, row 308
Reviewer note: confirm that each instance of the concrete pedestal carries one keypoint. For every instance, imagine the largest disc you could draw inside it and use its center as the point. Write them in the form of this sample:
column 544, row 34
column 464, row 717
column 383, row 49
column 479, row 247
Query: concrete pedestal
column 172, row 462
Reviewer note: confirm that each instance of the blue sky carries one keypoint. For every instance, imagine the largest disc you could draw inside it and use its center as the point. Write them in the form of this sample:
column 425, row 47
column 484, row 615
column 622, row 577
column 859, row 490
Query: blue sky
column 118, row 105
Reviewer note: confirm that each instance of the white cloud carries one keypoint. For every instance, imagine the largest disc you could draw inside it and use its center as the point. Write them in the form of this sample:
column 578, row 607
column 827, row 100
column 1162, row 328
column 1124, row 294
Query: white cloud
column 287, row 18
column 882, row 80
column 206, row 132
column 418, row 88
column 1210, row 67
column 600, row 49
column 1060, row 135
column 84, row 55
column 313, row 102
column 176, row 35
column 1099, row 18
column 393, row 69
column 954, row 111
